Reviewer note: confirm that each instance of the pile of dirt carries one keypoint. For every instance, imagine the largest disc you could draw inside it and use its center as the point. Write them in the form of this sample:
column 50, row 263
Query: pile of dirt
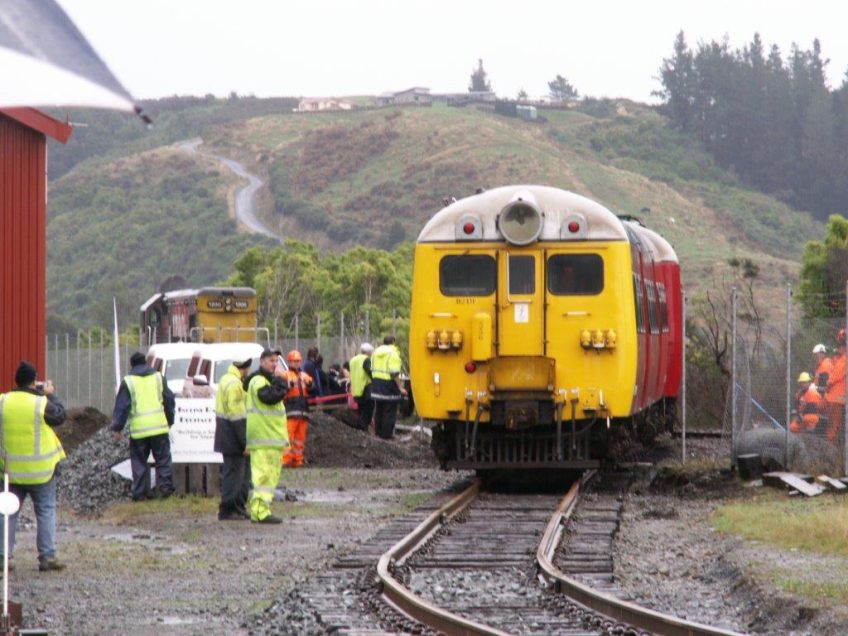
column 332, row 444
column 80, row 424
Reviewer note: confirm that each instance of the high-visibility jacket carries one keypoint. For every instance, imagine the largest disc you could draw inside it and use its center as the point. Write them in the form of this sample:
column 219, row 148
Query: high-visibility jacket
column 809, row 402
column 29, row 449
column 359, row 379
column 266, row 423
column 297, row 400
column 823, row 371
column 835, row 393
column 147, row 409
column 229, row 400
column 385, row 362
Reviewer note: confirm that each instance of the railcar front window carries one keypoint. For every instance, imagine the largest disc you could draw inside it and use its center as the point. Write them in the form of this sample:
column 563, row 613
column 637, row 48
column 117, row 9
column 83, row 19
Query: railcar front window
column 522, row 275
column 467, row 275
column 575, row 274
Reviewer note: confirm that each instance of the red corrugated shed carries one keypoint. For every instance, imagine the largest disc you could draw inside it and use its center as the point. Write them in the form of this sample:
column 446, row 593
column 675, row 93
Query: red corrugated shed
column 23, row 236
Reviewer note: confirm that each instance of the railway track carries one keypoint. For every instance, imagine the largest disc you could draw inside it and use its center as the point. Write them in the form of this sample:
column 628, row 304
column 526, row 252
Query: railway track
column 487, row 563
column 491, row 539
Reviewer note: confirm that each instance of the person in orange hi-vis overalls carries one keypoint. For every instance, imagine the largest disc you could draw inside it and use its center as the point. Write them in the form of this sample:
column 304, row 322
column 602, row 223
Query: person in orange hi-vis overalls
column 297, row 409
column 808, row 406
column 835, row 392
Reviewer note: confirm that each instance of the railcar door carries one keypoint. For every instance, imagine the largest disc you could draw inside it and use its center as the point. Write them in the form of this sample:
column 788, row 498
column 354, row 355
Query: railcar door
column 521, row 304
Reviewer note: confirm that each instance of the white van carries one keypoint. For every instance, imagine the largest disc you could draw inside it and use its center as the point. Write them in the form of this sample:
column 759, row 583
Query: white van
column 172, row 360
column 212, row 361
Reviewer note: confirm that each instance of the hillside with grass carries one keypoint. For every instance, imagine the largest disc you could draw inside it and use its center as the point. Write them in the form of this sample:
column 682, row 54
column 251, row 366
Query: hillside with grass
column 127, row 220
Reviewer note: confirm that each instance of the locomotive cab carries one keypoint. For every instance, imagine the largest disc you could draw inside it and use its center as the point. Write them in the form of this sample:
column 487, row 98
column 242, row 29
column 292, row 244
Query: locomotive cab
column 523, row 329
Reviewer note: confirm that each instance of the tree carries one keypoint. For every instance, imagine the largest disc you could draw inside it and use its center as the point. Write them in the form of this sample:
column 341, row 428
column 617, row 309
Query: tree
column 824, row 270
column 522, row 95
column 561, row 89
column 479, row 82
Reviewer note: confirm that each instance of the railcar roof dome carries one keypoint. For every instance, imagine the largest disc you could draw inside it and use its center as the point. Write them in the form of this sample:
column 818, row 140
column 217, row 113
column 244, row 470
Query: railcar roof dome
column 554, row 204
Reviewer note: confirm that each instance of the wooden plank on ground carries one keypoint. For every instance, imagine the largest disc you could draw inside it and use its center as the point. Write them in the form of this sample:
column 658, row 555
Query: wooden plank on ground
column 831, row 484
column 794, row 482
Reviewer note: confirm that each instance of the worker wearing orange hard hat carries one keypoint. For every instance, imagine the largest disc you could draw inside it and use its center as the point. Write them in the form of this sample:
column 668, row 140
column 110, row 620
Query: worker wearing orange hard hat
column 297, row 408
column 835, row 390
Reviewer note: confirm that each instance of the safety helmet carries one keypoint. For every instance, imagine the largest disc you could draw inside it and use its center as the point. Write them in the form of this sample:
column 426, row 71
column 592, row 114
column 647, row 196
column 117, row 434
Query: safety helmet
column 819, row 348
column 805, row 377
column 294, row 357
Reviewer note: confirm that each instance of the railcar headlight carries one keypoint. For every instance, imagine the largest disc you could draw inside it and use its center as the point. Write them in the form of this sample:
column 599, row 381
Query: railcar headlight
column 521, row 220
column 585, row 339
column 611, row 338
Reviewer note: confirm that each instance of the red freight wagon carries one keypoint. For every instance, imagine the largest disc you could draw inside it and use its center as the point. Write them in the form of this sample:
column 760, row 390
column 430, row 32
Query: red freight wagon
column 23, row 236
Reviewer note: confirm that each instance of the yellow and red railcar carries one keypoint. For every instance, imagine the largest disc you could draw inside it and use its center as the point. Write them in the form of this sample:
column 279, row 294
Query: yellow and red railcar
column 539, row 319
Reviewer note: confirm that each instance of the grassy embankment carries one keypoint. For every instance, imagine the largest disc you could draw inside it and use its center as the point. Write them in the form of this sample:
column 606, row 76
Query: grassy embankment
column 816, row 526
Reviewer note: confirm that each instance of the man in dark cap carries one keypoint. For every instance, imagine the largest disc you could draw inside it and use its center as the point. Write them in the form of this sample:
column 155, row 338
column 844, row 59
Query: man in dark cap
column 230, row 422
column 145, row 400
column 29, row 455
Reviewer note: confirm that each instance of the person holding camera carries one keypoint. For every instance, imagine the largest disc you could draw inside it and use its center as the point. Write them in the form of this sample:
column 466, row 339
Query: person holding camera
column 145, row 401
column 30, row 453
column 267, row 433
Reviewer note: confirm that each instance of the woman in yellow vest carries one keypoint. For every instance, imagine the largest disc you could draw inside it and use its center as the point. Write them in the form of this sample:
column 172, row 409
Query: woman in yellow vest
column 267, row 433
column 29, row 453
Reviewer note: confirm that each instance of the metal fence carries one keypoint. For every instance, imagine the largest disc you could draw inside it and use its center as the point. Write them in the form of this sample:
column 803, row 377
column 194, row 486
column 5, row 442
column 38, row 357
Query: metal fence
column 82, row 365
column 769, row 411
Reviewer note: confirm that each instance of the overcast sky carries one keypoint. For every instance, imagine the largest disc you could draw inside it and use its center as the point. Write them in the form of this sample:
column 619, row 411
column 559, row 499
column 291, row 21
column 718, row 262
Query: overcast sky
column 333, row 47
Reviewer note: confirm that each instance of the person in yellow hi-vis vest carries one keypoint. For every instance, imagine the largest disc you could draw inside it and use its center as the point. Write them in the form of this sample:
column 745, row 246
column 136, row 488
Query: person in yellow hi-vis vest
column 145, row 401
column 267, row 433
column 29, row 454
column 387, row 388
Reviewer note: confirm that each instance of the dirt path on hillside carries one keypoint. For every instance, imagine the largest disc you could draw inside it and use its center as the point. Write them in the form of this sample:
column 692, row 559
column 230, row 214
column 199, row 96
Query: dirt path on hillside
column 245, row 199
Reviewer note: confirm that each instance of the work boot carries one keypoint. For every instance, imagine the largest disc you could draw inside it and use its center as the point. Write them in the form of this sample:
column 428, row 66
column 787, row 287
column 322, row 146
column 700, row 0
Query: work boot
column 50, row 565
column 270, row 519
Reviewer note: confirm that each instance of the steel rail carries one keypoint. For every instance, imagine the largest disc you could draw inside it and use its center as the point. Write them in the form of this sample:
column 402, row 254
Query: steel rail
column 413, row 605
column 617, row 609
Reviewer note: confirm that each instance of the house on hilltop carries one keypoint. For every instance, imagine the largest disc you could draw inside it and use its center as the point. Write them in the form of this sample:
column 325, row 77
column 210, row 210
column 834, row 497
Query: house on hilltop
column 316, row 104
column 416, row 96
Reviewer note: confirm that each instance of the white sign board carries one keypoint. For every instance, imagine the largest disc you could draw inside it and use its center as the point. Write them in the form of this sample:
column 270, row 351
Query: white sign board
column 193, row 432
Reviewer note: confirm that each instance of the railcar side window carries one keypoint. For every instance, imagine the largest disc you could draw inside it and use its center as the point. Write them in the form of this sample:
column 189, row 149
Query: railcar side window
column 637, row 295
column 663, row 307
column 575, row 274
column 467, row 275
column 522, row 274
column 652, row 307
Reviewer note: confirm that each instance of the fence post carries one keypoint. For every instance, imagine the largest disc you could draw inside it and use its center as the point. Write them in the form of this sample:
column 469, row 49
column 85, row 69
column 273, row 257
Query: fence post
column 683, row 383
column 733, row 382
column 788, row 374
column 341, row 337
column 297, row 332
column 68, row 366
column 276, row 339
column 56, row 361
column 367, row 326
column 89, row 368
column 845, row 405
column 100, row 401
column 318, row 332
column 394, row 323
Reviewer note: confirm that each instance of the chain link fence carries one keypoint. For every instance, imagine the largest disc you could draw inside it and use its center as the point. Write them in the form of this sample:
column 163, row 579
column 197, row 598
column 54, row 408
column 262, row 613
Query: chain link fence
column 82, row 365
column 783, row 404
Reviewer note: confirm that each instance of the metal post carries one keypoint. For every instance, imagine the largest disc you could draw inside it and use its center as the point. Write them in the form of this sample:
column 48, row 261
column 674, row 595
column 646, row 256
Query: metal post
column 683, row 383
column 79, row 375
column 276, row 339
column 56, row 361
column 297, row 332
column 89, row 368
column 788, row 374
column 394, row 323
column 845, row 406
column 733, row 382
column 367, row 326
column 341, row 337
column 68, row 365
column 318, row 332
column 100, row 402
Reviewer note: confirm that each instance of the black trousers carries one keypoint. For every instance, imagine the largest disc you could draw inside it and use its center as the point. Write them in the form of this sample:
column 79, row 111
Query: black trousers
column 385, row 415
column 140, row 449
column 235, row 483
column 366, row 410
